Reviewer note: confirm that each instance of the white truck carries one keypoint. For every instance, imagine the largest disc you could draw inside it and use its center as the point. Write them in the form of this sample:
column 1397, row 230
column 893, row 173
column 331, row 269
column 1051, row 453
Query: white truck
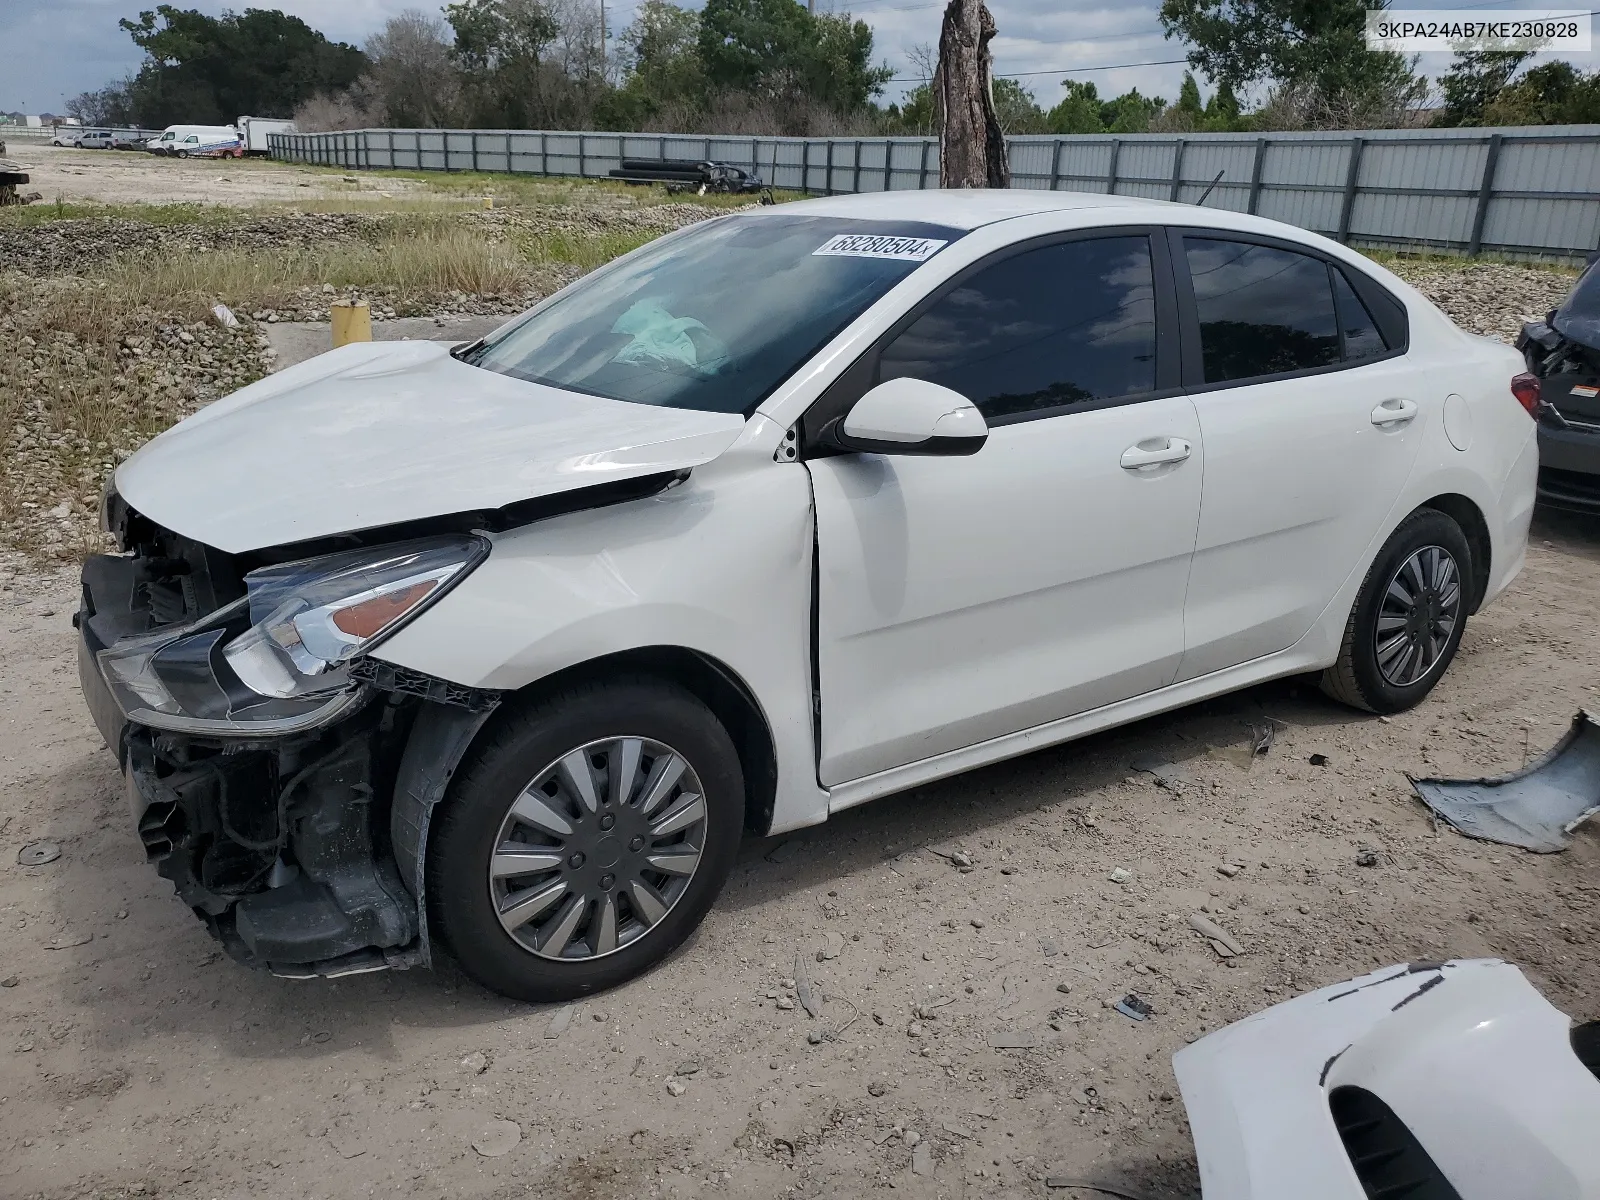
column 253, row 132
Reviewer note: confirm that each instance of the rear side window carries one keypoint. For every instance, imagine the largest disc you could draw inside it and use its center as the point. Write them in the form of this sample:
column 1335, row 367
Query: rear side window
column 1362, row 338
column 1050, row 328
column 1262, row 310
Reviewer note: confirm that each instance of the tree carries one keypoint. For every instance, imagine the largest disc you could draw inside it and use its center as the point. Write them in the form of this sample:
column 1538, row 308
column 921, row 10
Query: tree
column 1308, row 45
column 214, row 69
column 413, row 80
column 1079, row 110
column 1474, row 80
column 1554, row 93
column 1189, row 98
column 1131, row 112
column 500, row 46
column 1016, row 109
column 661, row 50
column 779, row 51
column 972, row 146
column 1222, row 110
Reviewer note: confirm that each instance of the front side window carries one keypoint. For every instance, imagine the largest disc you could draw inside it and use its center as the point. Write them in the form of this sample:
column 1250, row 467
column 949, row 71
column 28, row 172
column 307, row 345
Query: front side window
column 1262, row 310
column 1055, row 327
column 716, row 317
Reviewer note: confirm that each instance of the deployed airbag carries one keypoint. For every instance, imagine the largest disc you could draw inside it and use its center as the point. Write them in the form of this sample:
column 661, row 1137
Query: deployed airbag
column 1536, row 808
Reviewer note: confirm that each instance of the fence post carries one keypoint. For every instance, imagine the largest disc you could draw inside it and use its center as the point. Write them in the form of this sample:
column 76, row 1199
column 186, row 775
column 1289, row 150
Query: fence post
column 888, row 163
column 1177, row 168
column 583, row 139
column 1350, row 188
column 509, row 171
column 1255, row 175
column 391, row 150
column 922, row 170
column 544, row 154
column 827, row 178
column 475, row 151
column 1485, row 193
column 1111, row 169
column 1055, row 166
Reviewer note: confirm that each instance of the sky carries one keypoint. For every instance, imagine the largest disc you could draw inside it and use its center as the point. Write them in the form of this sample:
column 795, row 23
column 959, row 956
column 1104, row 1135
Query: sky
column 50, row 50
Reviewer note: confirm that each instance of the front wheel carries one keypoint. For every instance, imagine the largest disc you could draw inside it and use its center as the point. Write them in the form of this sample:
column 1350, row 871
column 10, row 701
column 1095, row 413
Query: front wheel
column 183, row 154
column 1408, row 617
column 585, row 838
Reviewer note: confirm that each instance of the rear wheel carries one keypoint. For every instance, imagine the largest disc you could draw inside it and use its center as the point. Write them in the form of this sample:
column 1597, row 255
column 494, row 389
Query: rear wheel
column 1408, row 617
column 585, row 839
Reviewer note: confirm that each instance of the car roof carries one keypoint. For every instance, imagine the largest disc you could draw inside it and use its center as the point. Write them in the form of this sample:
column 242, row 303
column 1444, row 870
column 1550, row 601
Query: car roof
column 970, row 208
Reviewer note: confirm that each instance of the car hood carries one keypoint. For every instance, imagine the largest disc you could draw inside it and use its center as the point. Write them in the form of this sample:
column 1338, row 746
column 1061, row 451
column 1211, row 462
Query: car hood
column 378, row 433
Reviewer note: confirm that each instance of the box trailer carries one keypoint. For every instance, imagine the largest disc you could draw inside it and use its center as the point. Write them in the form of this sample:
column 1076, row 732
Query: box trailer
column 253, row 132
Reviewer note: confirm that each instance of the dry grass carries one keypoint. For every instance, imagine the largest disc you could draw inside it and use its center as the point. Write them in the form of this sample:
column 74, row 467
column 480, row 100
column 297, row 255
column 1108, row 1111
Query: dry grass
column 414, row 259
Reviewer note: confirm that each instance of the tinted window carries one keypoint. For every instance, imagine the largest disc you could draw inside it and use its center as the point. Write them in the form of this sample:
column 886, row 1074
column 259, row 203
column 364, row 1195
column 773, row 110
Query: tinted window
column 1361, row 336
column 1263, row 311
column 1061, row 325
column 716, row 316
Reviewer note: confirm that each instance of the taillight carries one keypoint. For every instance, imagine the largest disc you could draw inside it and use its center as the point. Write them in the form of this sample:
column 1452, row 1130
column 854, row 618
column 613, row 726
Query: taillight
column 1525, row 388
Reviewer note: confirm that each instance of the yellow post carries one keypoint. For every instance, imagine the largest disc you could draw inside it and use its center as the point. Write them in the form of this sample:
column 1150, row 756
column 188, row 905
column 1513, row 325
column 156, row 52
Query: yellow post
column 352, row 322
column 488, row 201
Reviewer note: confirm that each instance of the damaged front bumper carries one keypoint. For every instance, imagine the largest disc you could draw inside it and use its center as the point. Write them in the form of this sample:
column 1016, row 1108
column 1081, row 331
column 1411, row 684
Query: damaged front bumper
column 282, row 837
column 1445, row 1081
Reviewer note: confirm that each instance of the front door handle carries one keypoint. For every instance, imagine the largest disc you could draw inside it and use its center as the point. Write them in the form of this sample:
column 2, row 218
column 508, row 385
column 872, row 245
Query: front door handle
column 1396, row 411
column 1155, row 452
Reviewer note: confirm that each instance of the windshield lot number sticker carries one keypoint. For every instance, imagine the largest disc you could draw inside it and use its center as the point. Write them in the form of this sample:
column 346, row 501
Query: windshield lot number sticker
column 877, row 245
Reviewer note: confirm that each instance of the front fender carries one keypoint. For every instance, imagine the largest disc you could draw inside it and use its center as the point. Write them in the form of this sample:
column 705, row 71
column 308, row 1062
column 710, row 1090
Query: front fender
column 720, row 565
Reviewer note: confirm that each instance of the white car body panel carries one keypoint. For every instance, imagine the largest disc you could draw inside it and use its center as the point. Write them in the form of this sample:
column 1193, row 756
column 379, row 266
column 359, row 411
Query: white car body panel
column 1468, row 1055
column 377, row 433
column 957, row 606
column 929, row 666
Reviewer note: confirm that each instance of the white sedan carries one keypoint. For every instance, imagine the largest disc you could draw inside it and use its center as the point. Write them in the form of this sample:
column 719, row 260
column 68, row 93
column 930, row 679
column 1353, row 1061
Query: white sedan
column 503, row 646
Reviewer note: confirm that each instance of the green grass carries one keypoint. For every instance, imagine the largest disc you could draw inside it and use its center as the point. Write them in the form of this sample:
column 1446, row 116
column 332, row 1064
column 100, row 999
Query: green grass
column 32, row 215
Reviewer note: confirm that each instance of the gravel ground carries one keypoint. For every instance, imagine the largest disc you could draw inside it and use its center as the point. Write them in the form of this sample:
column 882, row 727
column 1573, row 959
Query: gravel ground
column 966, row 940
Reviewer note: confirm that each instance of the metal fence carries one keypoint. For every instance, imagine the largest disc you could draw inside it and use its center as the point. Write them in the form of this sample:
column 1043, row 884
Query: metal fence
column 43, row 133
column 1522, row 192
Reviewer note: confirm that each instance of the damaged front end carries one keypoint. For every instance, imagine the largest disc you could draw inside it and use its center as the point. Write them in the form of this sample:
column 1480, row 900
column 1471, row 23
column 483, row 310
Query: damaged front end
column 262, row 748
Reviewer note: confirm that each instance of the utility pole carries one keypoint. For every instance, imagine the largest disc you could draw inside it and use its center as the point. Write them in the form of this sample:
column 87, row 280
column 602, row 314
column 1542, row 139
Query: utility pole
column 602, row 39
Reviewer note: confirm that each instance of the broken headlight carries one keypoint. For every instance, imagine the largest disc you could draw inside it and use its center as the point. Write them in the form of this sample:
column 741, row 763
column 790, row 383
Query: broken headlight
column 277, row 660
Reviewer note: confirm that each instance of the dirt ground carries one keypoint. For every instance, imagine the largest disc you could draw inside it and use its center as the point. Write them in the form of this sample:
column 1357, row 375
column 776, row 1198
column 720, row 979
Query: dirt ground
column 135, row 1060
column 135, row 177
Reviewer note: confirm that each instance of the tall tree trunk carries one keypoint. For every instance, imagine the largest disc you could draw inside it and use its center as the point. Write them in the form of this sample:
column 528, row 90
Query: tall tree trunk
column 972, row 147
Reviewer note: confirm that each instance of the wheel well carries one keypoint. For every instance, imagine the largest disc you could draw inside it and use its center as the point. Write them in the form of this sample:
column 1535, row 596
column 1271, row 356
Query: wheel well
column 721, row 690
column 1467, row 515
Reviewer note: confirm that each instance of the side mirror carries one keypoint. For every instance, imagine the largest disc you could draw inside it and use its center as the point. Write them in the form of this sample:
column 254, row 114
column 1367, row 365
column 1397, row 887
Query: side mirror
column 911, row 416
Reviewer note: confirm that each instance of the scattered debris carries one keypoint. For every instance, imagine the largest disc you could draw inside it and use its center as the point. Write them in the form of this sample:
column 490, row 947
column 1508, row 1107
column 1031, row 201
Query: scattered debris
column 1131, row 1006
column 1167, row 773
column 922, row 1159
column 877, row 1088
column 1318, row 760
column 814, row 1037
column 1221, row 940
column 833, row 945
column 1368, row 857
column 1120, row 875
column 497, row 1138
column 783, row 851
column 1068, row 1181
column 1013, row 1040
column 978, row 922
column 559, row 1023
column 807, row 995
column 691, row 1067
column 1536, row 808
column 10, row 981
column 1229, row 870
column 224, row 316
column 1261, row 738
column 475, row 1063
column 1064, row 988
column 784, row 1004
column 675, row 1088
column 36, row 854
column 1048, row 947
column 68, row 939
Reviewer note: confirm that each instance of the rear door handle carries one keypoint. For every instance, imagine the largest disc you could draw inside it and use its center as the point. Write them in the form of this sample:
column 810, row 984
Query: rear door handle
column 1395, row 411
column 1154, row 452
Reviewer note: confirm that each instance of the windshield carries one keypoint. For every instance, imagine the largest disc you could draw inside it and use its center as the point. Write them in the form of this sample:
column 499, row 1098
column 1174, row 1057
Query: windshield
column 713, row 318
column 1578, row 318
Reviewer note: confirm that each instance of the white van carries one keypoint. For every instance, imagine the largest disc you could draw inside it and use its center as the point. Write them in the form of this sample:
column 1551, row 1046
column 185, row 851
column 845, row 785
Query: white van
column 197, row 141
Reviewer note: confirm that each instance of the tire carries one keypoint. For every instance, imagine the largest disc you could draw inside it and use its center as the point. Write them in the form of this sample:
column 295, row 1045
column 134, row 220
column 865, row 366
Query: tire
column 182, row 153
column 1403, row 674
column 476, row 914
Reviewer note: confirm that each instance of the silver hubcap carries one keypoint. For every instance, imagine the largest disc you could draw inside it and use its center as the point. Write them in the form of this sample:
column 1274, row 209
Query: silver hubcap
column 598, row 848
column 1419, row 613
